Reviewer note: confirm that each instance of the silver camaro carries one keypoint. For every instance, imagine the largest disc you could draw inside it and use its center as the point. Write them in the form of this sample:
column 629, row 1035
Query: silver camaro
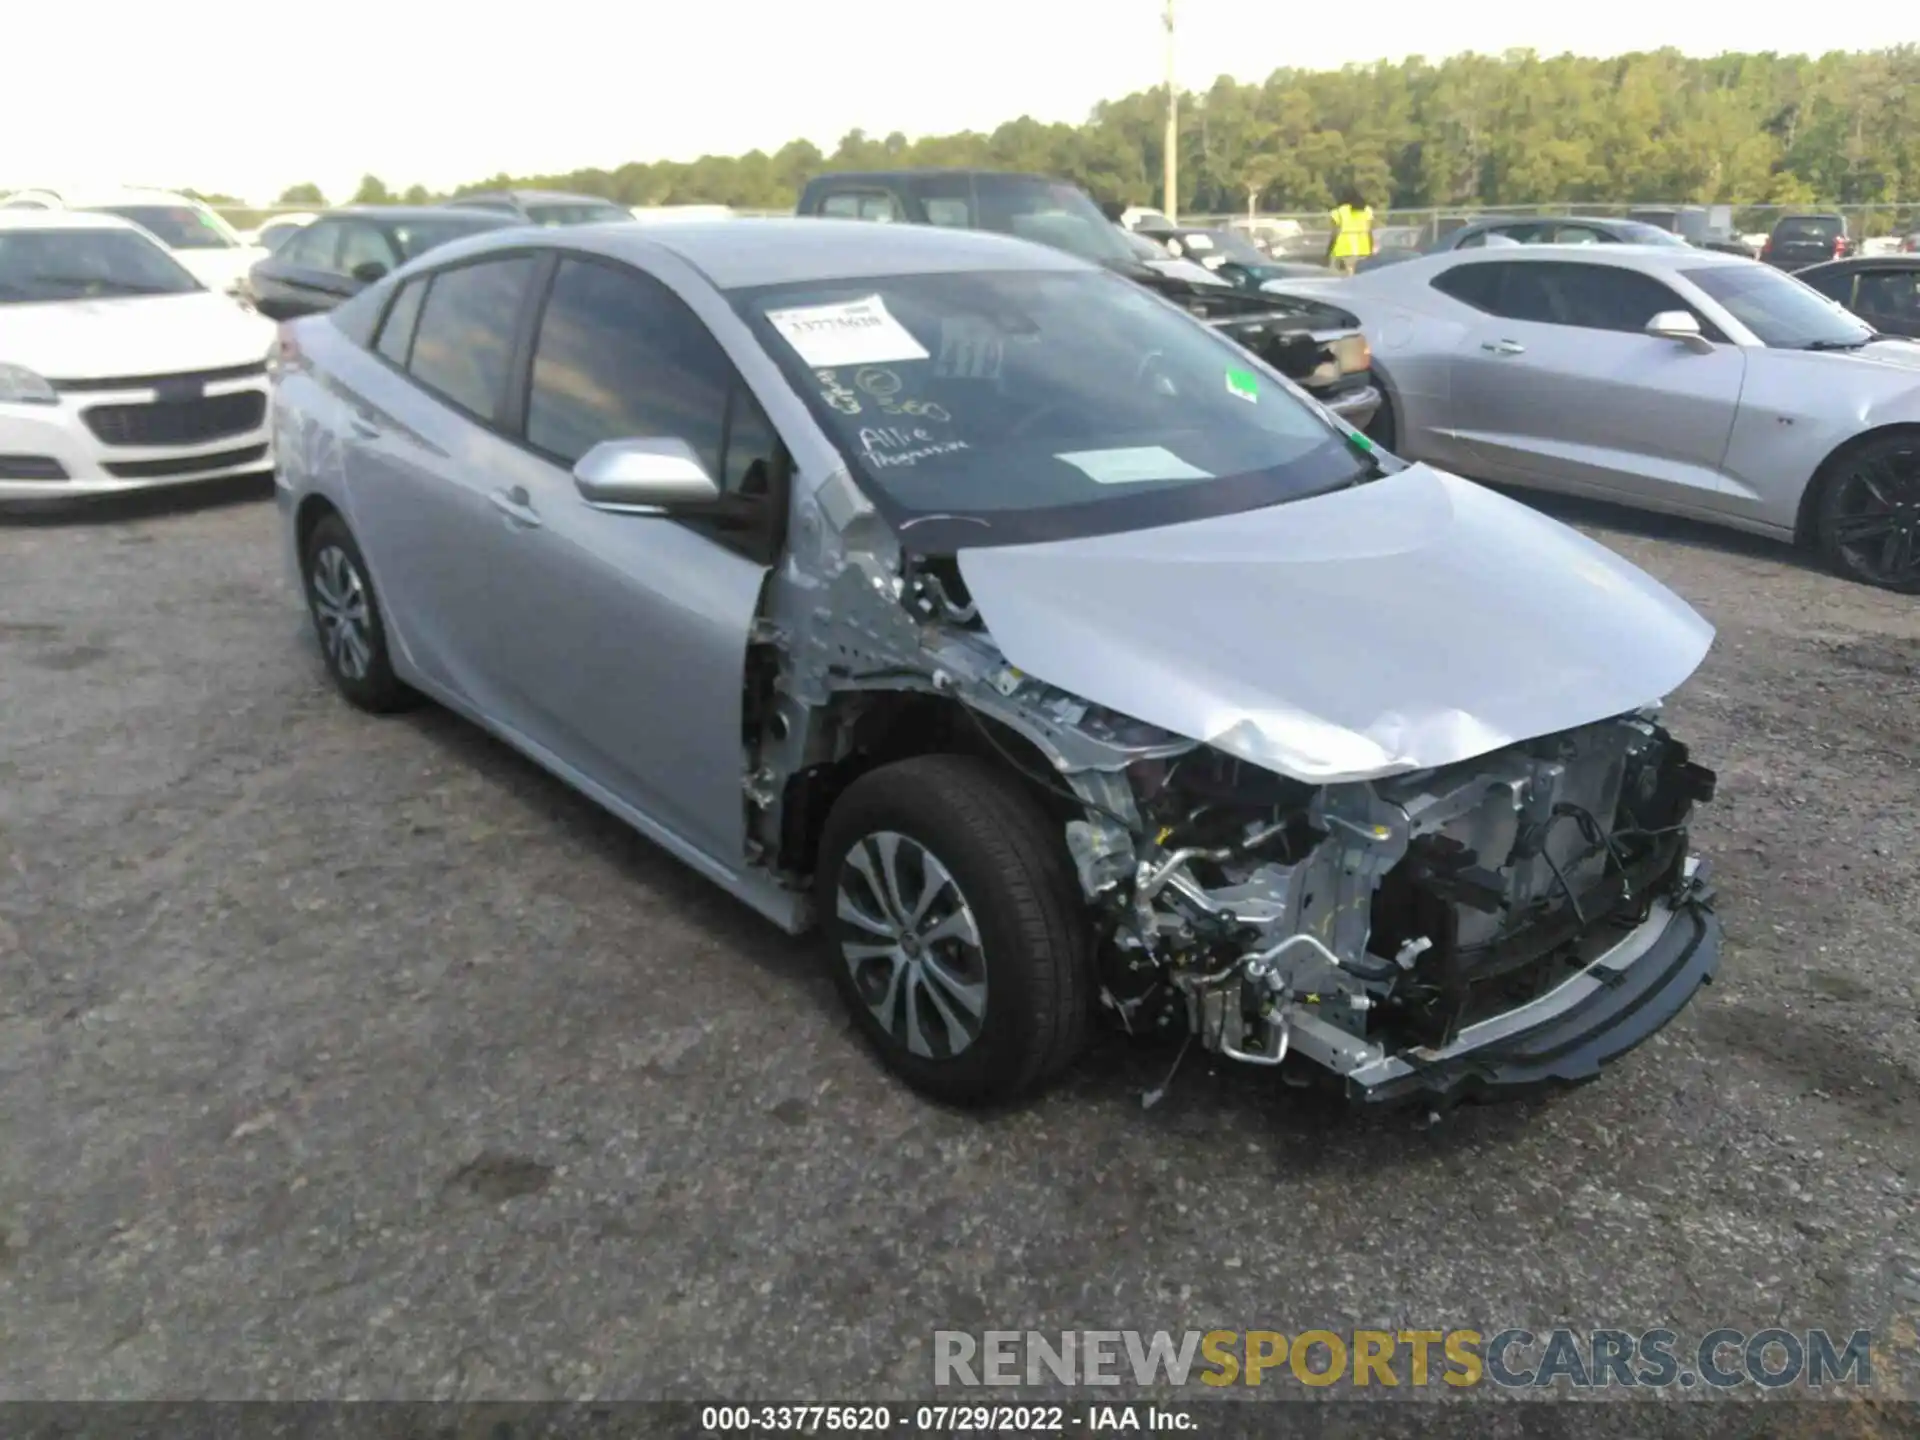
column 1676, row 379
column 1048, row 651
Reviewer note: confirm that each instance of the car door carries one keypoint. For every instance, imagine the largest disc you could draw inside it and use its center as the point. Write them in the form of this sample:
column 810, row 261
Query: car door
column 621, row 639
column 1561, row 387
column 425, row 458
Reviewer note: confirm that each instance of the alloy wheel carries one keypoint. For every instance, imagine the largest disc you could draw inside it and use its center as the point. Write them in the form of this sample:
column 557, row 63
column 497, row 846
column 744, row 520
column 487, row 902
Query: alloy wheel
column 1876, row 519
column 340, row 605
column 911, row 945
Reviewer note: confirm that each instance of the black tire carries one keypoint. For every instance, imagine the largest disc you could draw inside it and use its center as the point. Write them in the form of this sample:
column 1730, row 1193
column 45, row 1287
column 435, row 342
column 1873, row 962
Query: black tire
column 1383, row 429
column 364, row 674
column 1874, row 484
column 1009, row 868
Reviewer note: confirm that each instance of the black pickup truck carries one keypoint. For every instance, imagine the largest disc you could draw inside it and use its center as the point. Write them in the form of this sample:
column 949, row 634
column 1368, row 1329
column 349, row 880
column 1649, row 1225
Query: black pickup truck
column 1317, row 344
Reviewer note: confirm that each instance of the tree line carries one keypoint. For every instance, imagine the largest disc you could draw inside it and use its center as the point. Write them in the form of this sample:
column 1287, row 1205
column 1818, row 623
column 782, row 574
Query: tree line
column 1471, row 130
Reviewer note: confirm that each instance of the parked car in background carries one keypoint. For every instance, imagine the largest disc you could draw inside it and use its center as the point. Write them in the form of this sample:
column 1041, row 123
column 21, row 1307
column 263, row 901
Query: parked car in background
column 1800, row 240
column 1278, row 238
column 1883, row 291
column 1910, row 244
column 1155, row 256
column 544, row 207
column 1140, row 217
column 1497, row 230
column 1230, row 256
column 1674, row 379
column 344, row 251
column 1013, row 628
column 196, row 234
column 118, row 368
column 1064, row 217
column 1705, row 227
column 274, row 233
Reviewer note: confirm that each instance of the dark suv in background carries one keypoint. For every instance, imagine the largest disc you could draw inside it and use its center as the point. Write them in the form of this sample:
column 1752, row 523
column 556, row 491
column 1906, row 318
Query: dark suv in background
column 1799, row 240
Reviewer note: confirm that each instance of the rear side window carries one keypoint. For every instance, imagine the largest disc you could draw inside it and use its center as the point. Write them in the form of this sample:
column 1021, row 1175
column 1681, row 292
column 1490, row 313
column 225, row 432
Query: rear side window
column 463, row 341
column 860, row 205
column 1475, row 285
column 396, row 334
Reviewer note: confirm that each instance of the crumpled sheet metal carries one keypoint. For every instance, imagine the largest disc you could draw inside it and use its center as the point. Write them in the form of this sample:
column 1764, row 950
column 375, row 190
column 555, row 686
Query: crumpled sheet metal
column 1400, row 625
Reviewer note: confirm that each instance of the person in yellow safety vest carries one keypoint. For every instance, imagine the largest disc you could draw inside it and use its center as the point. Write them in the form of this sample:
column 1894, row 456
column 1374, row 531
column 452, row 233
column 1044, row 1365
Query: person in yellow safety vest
column 1352, row 232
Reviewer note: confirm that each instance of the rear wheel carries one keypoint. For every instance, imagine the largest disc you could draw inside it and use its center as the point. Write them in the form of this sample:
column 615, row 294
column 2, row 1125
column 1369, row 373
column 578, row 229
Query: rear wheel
column 1867, row 516
column 956, row 929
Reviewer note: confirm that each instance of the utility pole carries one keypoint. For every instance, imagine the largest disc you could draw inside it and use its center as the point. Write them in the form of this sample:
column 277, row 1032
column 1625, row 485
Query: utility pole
column 1173, row 129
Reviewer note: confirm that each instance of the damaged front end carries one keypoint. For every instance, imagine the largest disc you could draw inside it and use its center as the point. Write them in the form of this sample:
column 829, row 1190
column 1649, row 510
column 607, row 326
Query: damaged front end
column 1496, row 924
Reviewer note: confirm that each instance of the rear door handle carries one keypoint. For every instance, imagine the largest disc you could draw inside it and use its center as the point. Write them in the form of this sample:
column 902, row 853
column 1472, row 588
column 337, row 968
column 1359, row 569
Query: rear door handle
column 516, row 505
column 1504, row 347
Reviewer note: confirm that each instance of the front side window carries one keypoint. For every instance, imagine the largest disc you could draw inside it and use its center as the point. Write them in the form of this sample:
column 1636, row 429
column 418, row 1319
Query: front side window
column 1001, row 407
column 463, row 344
column 1781, row 312
column 860, row 205
column 1890, row 298
column 314, row 248
column 362, row 244
column 40, row 265
column 178, row 227
column 619, row 357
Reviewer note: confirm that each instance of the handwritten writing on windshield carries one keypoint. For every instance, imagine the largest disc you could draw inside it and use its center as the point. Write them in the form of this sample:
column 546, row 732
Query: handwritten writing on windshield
column 883, row 387
column 889, row 446
column 836, row 394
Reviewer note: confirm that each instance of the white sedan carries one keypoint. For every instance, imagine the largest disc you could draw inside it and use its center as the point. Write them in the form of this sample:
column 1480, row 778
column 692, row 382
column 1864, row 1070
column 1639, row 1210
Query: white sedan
column 118, row 369
column 1676, row 379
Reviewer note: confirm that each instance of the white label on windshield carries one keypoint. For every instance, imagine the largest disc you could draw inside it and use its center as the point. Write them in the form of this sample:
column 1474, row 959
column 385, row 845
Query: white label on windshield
column 856, row 332
column 1137, row 465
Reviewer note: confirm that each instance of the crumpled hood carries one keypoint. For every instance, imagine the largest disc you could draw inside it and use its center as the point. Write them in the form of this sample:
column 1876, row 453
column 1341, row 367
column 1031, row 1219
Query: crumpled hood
column 1407, row 623
column 133, row 335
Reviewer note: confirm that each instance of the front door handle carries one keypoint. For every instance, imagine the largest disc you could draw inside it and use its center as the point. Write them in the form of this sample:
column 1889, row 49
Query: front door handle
column 517, row 506
column 1504, row 347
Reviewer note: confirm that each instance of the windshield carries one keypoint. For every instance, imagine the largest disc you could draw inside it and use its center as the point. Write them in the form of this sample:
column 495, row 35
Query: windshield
column 1049, row 212
column 576, row 212
column 1823, row 228
column 40, row 265
column 178, row 227
column 416, row 237
column 1781, row 312
column 1006, row 407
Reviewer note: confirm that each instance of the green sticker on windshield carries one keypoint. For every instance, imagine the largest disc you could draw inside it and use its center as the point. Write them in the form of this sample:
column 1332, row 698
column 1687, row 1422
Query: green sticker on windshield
column 1244, row 384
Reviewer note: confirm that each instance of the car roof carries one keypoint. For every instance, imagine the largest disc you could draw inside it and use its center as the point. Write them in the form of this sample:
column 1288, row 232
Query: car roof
column 920, row 170
column 735, row 256
column 64, row 220
column 537, row 196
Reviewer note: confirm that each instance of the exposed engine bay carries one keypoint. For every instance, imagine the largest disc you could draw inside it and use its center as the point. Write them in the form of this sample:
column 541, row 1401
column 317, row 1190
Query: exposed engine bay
column 1386, row 928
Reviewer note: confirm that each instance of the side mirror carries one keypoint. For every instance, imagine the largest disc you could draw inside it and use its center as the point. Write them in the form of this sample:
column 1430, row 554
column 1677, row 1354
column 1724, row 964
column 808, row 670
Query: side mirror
column 368, row 271
column 1678, row 325
column 643, row 477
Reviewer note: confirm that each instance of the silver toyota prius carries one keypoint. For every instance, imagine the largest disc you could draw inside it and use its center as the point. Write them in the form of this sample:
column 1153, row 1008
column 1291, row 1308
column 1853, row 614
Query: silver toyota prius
column 1052, row 654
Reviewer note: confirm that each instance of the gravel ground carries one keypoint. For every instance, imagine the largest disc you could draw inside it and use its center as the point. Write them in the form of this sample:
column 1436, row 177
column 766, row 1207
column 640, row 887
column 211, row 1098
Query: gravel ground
column 357, row 1058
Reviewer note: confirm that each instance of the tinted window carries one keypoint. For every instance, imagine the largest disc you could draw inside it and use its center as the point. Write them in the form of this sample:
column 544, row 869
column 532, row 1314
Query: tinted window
column 619, row 356
column 1891, row 298
column 1049, row 212
column 396, row 332
column 1834, row 284
column 576, row 212
column 464, row 339
column 179, row 227
column 860, row 205
column 1826, row 228
column 84, row 265
column 1600, row 297
column 1574, row 235
column 988, row 404
column 1778, row 309
column 416, row 237
column 314, row 247
column 363, row 244
column 1475, row 285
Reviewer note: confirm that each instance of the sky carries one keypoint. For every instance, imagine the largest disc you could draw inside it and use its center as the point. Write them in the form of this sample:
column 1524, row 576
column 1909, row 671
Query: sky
column 246, row 97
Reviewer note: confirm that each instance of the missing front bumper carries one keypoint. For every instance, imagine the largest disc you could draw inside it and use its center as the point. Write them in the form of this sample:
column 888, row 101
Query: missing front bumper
column 1563, row 1038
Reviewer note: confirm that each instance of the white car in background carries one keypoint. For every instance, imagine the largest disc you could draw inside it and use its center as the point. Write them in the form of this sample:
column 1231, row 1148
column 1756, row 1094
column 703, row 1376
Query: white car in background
column 199, row 239
column 118, row 368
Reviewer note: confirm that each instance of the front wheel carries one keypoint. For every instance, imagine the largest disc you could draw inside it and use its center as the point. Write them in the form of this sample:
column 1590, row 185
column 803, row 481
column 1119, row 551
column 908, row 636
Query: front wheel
column 1867, row 520
column 347, row 619
column 956, row 930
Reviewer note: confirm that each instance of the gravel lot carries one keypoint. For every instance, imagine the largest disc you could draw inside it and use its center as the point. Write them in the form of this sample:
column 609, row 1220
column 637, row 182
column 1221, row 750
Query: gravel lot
column 349, row 1057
